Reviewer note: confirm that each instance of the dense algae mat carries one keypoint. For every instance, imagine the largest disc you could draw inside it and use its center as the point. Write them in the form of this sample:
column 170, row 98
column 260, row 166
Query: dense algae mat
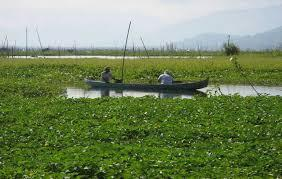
column 226, row 136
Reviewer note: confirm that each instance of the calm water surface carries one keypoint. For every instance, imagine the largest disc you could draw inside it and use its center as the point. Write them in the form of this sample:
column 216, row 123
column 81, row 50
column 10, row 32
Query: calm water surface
column 222, row 89
column 244, row 90
column 97, row 93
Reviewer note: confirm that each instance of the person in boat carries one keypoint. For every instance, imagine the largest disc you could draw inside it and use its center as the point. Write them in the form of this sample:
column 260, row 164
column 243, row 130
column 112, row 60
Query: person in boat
column 165, row 78
column 106, row 75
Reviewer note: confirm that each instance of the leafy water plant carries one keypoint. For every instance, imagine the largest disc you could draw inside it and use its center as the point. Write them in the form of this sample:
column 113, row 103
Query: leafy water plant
column 45, row 135
column 51, row 73
column 226, row 136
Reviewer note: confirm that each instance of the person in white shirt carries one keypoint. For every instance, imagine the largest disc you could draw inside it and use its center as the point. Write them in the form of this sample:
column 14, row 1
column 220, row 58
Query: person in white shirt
column 165, row 78
column 106, row 75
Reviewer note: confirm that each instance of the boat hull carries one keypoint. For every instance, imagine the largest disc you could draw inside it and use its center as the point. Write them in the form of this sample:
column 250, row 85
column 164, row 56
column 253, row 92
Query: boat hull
column 151, row 87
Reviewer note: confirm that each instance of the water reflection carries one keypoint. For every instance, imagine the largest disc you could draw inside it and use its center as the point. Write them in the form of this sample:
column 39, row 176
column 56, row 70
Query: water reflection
column 104, row 92
column 243, row 90
column 213, row 90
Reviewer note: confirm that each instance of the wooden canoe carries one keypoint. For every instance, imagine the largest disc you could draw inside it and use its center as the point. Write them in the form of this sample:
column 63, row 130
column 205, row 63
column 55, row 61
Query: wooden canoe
column 152, row 87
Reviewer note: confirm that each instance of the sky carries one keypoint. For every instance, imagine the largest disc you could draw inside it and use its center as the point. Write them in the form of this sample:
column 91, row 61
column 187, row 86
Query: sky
column 104, row 23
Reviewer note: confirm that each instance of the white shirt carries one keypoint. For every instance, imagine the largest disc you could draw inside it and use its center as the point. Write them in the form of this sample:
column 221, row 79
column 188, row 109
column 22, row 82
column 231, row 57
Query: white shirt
column 106, row 76
column 165, row 79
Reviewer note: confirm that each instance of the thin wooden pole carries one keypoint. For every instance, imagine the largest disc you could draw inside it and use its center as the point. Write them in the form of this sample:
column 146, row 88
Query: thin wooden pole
column 145, row 47
column 75, row 49
column 12, row 52
column 6, row 39
column 122, row 71
column 39, row 41
column 2, row 48
column 59, row 51
column 26, row 48
column 199, row 50
column 133, row 49
column 7, row 47
column 15, row 49
column 4, row 45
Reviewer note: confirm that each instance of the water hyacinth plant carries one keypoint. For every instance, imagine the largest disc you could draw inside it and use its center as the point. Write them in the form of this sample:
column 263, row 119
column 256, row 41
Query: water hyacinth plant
column 223, row 136
column 46, row 135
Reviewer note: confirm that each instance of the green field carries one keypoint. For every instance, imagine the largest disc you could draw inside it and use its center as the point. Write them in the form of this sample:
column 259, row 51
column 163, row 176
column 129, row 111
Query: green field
column 43, row 134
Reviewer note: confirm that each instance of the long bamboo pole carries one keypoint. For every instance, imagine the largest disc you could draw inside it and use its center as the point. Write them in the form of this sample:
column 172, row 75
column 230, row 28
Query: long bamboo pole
column 7, row 47
column 15, row 49
column 26, row 43
column 145, row 47
column 122, row 71
column 39, row 41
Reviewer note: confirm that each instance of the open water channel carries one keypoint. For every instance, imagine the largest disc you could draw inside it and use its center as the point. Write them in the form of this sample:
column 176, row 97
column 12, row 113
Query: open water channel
column 212, row 90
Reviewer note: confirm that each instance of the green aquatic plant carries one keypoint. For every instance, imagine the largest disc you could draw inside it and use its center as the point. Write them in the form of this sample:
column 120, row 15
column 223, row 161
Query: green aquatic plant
column 223, row 136
column 45, row 135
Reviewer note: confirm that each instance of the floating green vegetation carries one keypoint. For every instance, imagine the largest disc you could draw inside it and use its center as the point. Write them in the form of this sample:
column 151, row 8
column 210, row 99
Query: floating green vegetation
column 45, row 135
column 49, row 76
column 226, row 136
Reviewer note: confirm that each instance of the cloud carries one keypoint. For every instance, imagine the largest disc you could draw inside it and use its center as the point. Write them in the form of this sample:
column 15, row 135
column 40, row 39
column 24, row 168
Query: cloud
column 104, row 20
column 167, row 11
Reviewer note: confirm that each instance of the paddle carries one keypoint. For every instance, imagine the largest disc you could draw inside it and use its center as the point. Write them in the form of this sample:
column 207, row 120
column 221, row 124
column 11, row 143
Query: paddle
column 177, row 81
column 118, row 80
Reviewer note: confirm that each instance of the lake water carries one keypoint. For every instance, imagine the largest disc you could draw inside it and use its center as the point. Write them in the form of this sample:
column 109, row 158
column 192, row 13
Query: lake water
column 97, row 93
column 213, row 90
column 243, row 90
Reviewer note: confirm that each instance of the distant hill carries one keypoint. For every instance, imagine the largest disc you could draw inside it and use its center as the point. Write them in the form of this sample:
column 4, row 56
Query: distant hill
column 214, row 41
column 239, row 22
